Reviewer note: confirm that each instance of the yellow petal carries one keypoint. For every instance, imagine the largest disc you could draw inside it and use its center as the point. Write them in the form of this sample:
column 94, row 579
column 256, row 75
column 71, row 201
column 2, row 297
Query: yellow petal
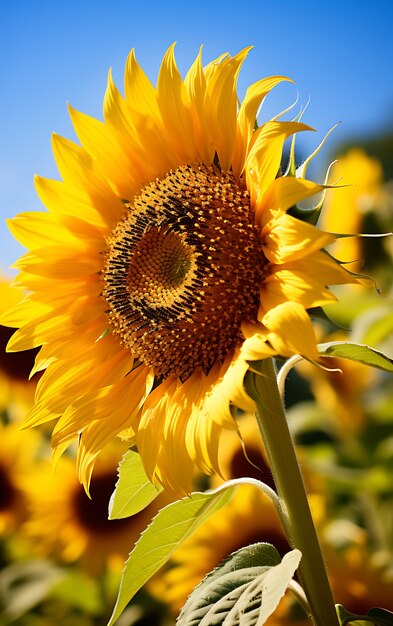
column 119, row 118
column 140, row 93
column 23, row 312
column 114, row 416
column 37, row 230
column 38, row 331
column 286, row 239
column 62, row 382
column 78, row 169
column 290, row 330
column 221, row 105
column 255, row 346
column 228, row 388
column 74, row 287
column 195, row 84
column 264, row 158
column 61, row 262
column 247, row 115
column 305, row 281
column 283, row 193
column 65, row 200
column 202, row 441
column 57, row 324
column 174, row 106
column 112, row 162
column 141, row 99
column 150, row 431
column 175, row 460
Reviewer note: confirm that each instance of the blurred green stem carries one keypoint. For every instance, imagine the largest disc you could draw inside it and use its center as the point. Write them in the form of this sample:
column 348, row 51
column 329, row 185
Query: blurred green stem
column 261, row 384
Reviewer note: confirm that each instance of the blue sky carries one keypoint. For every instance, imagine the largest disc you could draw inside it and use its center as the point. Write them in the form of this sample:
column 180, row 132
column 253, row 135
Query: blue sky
column 339, row 53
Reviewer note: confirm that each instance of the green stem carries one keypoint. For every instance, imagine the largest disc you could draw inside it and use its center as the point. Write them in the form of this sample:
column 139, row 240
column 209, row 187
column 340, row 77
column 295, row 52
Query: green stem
column 297, row 520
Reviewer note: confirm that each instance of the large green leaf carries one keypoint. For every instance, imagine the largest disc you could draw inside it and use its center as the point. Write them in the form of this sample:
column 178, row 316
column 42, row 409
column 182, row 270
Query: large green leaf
column 133, row 491
column 357, row 352
column 169, row 528
column 245, row 589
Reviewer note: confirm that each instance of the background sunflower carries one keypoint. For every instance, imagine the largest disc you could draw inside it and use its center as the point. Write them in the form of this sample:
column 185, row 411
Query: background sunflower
column 65, row 522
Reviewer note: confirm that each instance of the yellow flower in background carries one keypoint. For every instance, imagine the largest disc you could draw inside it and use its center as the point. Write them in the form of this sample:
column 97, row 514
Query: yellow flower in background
column 16, row 391
column 65, row 523
column 346, row 206
column 339, row 389
column 358, row 580
column 166, row 259
column 18, row 452
column 243, row 455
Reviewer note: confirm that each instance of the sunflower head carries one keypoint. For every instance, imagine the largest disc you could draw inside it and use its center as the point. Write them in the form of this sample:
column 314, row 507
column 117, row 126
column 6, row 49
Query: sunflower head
column 200, row 235
column 167, row 261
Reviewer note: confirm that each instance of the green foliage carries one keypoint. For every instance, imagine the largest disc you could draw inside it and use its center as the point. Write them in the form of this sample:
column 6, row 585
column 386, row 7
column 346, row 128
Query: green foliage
column 378, row 323
column 80, row 591
column 169, row 528
column 133, row 491
column 306, row 215
column 24, row 585
column 376, row 616
column 248, row 585
column 357, row 352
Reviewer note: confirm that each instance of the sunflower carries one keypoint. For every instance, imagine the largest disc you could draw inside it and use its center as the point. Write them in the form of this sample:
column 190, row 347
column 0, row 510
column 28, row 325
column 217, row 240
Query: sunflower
column 165, row 261
column 346, row 207
column 17, row 455
column 64, row 522
column 16, row 390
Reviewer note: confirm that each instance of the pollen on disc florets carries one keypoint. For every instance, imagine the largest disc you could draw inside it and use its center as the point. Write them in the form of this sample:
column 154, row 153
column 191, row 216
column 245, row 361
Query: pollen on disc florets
column 183, row 270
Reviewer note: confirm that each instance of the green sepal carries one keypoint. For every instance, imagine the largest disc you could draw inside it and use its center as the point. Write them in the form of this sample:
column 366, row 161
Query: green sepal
column 306, row 215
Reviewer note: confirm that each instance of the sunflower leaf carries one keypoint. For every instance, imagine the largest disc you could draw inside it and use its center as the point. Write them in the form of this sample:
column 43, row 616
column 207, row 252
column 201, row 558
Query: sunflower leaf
column 357, row 352
column 246, row 588
column 375, row 616
column 133, row 491
column 169, row 528
column 381, row 617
